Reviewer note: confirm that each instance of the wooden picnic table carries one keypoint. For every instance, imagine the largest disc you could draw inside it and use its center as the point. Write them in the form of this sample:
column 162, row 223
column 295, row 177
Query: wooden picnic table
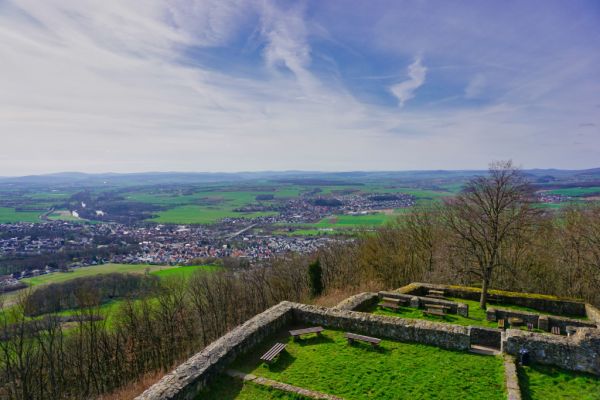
column 305, row 331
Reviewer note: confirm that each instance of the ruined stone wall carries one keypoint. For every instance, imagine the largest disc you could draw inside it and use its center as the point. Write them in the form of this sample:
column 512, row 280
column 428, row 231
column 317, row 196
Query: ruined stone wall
column 197, row 372
column 579, row 352
column 358, row 302
column 593, row 314
column 421, row 302
column 488, row 337
column 535, row 301
column 446, row 336
column 548, row 321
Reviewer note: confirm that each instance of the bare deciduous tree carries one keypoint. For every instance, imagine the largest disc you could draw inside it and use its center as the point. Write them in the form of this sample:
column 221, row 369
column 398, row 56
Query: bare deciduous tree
column 487, row 215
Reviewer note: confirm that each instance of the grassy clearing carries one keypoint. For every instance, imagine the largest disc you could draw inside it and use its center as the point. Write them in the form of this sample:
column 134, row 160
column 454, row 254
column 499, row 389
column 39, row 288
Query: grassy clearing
column 56, row 277
column 227, row 388
column 394, row 371
column 477, row 316
column 541, row 382
column 10, row 215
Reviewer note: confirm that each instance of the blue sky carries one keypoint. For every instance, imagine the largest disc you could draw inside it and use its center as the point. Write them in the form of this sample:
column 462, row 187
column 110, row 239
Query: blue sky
column 180, row 85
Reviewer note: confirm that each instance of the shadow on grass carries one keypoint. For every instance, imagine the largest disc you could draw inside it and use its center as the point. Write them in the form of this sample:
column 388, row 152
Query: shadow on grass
column 313, row 340
column 284, row 360
column 369, row 347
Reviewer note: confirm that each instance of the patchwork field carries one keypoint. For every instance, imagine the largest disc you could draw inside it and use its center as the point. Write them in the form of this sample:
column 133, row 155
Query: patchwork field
column 540, row 382
column 394, row 371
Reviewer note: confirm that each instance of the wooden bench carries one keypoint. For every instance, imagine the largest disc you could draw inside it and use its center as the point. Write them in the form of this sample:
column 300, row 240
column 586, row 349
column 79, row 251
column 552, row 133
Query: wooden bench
column 299, row 332
column 529, row 326
column 555, row 330
column 434, row 311
column 367, row 339
column 394, row 304
column 440, row 307
column 270, row 355
column 436, row 294
column 501, row 324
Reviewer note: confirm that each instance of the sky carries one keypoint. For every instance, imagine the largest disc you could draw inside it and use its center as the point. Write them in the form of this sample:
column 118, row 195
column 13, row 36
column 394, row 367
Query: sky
column 248, row 85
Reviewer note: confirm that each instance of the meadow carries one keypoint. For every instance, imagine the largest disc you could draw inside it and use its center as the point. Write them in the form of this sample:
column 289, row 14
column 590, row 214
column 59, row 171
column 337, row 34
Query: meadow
column 10, row 215
column 394, row 371
column 541, row 382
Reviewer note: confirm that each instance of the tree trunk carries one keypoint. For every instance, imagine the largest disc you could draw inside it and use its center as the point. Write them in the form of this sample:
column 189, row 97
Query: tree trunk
column 484, row 289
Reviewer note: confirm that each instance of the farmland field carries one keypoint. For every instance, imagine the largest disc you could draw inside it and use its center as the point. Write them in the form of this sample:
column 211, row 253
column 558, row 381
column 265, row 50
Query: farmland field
column 10, row 215
column 56, row 277
column 201, row 215
column 577, row 191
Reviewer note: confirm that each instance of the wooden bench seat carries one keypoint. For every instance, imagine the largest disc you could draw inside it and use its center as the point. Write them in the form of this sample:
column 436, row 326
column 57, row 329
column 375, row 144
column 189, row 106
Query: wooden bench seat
column 434, row 311
column 299, row 332
column 436, row 292
column 367, row 339
column 501, row 324
column 270, row 355
column 555, row 330
column 393, row 306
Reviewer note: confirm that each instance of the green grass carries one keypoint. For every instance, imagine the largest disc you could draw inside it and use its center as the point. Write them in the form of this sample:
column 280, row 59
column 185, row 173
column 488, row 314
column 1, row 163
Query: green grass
column 201, row 215
column 227, row 388
column 576, row 191
column 355, row 221
column 10, row 215
column 56, row 277
column 394, row 371
column 185, row 271
column 477, row 316
column 541, row 382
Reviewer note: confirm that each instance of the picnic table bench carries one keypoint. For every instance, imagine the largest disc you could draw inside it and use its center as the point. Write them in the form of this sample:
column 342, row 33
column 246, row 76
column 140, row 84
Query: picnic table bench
column 297, row 333
column 436, row 309
column 555, row 330
column 270, row 355
column 501, row 324
column 392, row 303
column 436, row 294
column 368, row 339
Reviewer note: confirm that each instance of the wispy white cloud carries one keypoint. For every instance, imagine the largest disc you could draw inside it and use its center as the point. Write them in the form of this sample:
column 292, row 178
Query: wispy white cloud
column 475, row 87
column 405, row 90
column 98, row 86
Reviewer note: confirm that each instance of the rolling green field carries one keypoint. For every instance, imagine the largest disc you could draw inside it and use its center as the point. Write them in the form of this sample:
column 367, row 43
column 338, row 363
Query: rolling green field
column 541, row 382
column 56, row 277
column 10, row 215
column 201, row 215
column 394, row 371
column 577, row 191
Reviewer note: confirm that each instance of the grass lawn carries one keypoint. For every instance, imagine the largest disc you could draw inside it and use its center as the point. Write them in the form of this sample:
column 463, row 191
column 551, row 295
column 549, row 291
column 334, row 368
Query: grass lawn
column 576, row 191
column 94, row 270
column 355, row 221
column 542, row 382
column 10, row 215
column 394, row 371
column 227, row 388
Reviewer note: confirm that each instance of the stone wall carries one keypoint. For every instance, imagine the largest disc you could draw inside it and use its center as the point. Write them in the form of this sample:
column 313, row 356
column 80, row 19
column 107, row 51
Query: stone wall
column 541, row 322
column 538, row 302
column 196, row 373
column 593, row 314
column 579, row 352
column 358, row 302
column 421, row 302
column 488, row 337
column 438, row 334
